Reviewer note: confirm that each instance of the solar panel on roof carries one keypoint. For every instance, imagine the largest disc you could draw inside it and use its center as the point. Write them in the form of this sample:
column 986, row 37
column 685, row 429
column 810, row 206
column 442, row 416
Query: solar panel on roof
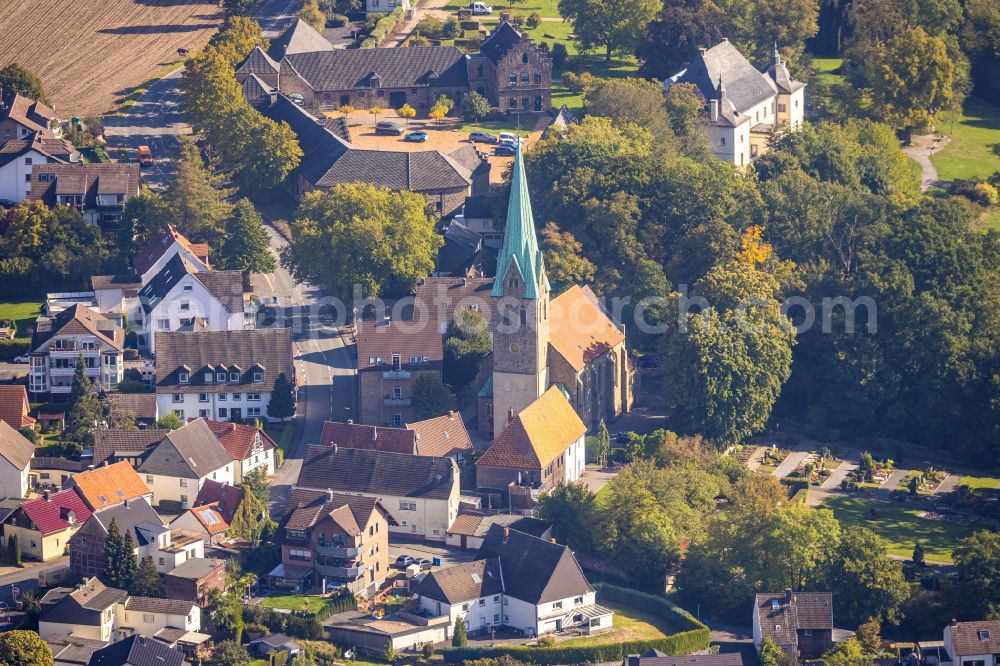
column 476, row 578
column 209, row 517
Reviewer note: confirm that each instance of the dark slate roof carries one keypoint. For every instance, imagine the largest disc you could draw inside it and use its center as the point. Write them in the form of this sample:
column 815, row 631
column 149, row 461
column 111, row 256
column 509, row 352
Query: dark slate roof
column 26, row 112
column 745, row 85
column 346, row 69
column 351, row 512
column 58, row 150
column 225, row 286
column 300, row 37
column 195, row 568
column 269, row 348
column 782, row 614
column 161, row 243
column 534, row 570
column 462, row 582
column 338, row 126
column 254, row 89
column 86, row 179
column 107, row 442
column 377, row 472
column 79, row 605
column 478, row 208
column 157, row 605
column 143, row 405
column 470, row 158
column 968, row 638
column 460, row 251
column 192, row 451
column 778, row 71
column 258, row 62
column 137, row 651
column 127, row 516
column 416, row 171
column 321, row 148
column 500, row 41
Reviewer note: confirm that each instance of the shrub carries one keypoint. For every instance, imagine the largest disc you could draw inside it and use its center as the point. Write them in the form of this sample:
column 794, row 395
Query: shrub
column 431, row 26
column 29, row 434
column 170, row 506
column 534, row 20
column 337, row 21
column 9, row 349
column 579, row 84
column 496, row 113
column 976, row 190
column 384, row 28
column 559, row 55
column 304, row 627
column 452, row 28
column 546, row 641
column 428, row 650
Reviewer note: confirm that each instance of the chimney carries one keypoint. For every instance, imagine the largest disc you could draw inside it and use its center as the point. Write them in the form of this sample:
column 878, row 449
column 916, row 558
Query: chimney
column 105, row 462
column 954, row 622
column 505, row 17
column 451, row 415
column 506, row 534
column 552, row 540
column 273, row 96
column 713, row 110
column 465, row 282
column 374, row 433
column 701, row 50
column 788, row 595
column 510, row 414
column 350, row 421
column 329, row 494
column 46, row 496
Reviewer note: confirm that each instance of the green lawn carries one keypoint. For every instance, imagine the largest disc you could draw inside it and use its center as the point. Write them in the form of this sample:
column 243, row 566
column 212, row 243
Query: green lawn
column 629, row 625
column 618, row 68
column 979, row 482
column 543, row 7
column 989, row 220
column 902, row 528
column 915, row 169
column 974, row 149
column 294, row 602
column 827, row 68
column 23, row 314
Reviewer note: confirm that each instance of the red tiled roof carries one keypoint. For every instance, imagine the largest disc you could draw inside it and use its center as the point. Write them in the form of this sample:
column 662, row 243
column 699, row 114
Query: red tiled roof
column 537, row 435
column 579, row 330
column 210, row 516
column 238, row 438
column 368, row 437
column 14, row 406
column 160, row 243
column 221, row 495
column 416, row 337
column 441, row 436
column 52, row 515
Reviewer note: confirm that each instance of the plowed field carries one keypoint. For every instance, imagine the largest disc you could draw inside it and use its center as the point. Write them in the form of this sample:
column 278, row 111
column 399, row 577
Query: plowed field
column 91, row 53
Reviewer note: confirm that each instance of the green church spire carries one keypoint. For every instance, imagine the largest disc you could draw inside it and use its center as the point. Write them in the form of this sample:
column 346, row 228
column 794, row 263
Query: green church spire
column 520, row 247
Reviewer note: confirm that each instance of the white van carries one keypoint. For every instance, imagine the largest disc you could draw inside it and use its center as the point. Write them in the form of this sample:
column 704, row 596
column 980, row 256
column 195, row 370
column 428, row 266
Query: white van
column 480, row 9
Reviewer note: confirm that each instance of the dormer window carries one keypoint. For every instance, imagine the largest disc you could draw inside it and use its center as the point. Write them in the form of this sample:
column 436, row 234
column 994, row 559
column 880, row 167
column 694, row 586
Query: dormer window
column 209, row 376
column 234, row 376
column 220, row 376
column 258, row 376
column 183, row 377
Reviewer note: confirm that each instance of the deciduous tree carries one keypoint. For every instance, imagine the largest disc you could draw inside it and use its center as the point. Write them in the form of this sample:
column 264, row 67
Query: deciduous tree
column 197, row 196
column 237, row 37
column 673, row 38
column 614, row 25
column 631, row 100
column 466, row 344
column 16, row 78
column 246, row 247
column 24, row 648
column 564, row 260
column 431, row 397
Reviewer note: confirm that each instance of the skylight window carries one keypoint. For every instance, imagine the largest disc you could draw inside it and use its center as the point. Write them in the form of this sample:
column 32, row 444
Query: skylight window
column 984, row 634
column 103, row 498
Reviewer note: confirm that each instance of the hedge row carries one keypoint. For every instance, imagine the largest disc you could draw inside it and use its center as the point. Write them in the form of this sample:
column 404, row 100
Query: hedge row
column 385, row 27
column 692, row 636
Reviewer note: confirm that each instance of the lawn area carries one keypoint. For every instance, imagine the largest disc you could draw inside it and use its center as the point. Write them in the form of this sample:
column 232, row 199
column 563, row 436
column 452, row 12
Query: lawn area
column 918, row 173
column 974, row 149
column 902, row 528
column 22, row 313
column 828, row 67
column 300, row 602
column 618, row 68
column 629, row 625
column 989, row 220
column 509, row 124
column 979, row 482
column 543, row 7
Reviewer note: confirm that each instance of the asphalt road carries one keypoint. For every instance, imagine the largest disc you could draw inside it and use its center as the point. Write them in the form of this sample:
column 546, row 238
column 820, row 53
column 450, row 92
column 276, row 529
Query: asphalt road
column 324, row 370
column 155, row 121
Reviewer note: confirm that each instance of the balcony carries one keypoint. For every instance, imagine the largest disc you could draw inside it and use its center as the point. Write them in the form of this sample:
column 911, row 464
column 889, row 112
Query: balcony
column 396, row 402
column 345, row 573
column 396, row 374
column 337, row 550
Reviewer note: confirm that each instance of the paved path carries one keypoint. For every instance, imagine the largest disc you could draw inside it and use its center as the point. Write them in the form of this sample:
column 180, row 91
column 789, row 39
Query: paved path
column 921, row 149
column 425, row 8
column 756, row 458
column 789, row 464
column 596, row 477
column 949, row 484
column 838, row 475
column 893, row 480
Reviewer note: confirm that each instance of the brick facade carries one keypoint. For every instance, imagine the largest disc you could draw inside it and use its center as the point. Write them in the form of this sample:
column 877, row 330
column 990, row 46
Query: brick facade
column 377, row 396
column 190, row 589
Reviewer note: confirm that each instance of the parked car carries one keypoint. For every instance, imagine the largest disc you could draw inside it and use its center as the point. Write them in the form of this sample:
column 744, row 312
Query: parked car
column 23, row 358
column 387, row 127
column 145, row 156
column 297, row 98
column 480, row 9
column 504, row 150
column 425, row 564
column 416, row 137
column 509, row 137
column 482, row 137
column 403, row 561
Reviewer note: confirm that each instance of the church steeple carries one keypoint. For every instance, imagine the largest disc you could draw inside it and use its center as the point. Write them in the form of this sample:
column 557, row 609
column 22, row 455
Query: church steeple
column 520, row 246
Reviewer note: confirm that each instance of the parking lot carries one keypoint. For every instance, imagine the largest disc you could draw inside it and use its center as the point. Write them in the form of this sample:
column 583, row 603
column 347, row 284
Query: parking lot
column 430, row 550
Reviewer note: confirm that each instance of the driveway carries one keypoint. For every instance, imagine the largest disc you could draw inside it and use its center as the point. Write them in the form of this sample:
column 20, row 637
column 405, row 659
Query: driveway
column 422, row 549
column 596, row 477
column 838, row 475
column 789, row 464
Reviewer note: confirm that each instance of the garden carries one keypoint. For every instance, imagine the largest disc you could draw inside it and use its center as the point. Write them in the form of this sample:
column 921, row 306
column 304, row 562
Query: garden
column 19, row 320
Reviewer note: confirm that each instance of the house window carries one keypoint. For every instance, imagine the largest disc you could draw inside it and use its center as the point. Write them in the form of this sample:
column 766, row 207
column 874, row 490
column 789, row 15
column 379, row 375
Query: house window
column 184, row 483
column 781, row 108
column 512, row 80
column 557, row 605
column 482, row 602
column 237, row 396
column 202, row 397
column 722, row 141
column 253, row 396
column 220, row 376
column 397, row 392
column 203, row 413
column 183, row 377
column 234, row 376
column 396, row 363
column 258, row 376
column 188, row 287
column 407, row 506
column 209, row 376
column 465, row 607
column 524, row 58
column 162, row 562
column 223, row 413
column 807, row 632
column 185, row 305
column 397, row 420
column 301, row 555
column 753, row 150
column 27, row 161
column 163, row 324
column 149, row 478
column 222, row 397
column 512, row 103
column 177, row 397
column 496, row 618
column 179, row 413
column 578, row 601
column 496, row 598
column 253, row 411
column 538, row 78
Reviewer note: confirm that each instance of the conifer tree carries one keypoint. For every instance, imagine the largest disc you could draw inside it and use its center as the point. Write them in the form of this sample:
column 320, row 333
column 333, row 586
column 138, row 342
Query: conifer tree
column 197, row 197
column 147, row 580
column 459, row 638
column 119, row 558
column 282, row 405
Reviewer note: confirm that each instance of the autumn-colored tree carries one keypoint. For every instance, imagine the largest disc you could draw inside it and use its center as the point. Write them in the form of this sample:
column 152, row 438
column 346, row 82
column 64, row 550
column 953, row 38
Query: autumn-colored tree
column 564, row 260
column 755, row 251
column 406, row 111
column 375, row 110
column 312, row 14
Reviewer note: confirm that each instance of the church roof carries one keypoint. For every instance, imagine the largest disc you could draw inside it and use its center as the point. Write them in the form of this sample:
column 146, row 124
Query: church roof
column 580, row 331
column 520, row 246
column 537, row 435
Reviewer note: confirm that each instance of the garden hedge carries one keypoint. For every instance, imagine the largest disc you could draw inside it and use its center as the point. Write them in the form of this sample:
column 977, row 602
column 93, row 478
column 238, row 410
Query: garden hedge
column 691, row 636
column 385, row 27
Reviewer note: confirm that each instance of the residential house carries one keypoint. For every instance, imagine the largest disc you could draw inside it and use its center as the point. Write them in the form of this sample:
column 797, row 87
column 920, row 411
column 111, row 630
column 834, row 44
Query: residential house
column 137, row 650
column 44, row 526
column 471, row 527
column 265, row 646
column 221, row 375
column 182, row 294
column 150, row 535
column 60, row 341
column 17, row 157
column 511, row 70
column 392, row 354
column 87, row 611
column 175, row 469
column 225, row 497
column 109, row 485
column 14, row 406
column 330, row 160
column 145, row 616
column 541, row 447
column 195, row 579
column 333, row 540
column 54, row 472
column 516, row 581
column 249, row 446
column 654, row 657
column 443, row 437
column 98, row 191
column 72, row 650
column 385, row 6
column 420, row 492
column 477, row 215
column 463, row 253
column 568, row 342
column 21, row 116
column 973, row 643
column 205, row 520
column 15, row 461
column 131, row 446
column 445, row 296
column 800, row 623
column 141, row 405
column 745, row 106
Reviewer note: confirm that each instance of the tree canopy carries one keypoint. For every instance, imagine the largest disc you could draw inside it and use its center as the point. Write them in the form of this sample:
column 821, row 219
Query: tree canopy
column 14, row 77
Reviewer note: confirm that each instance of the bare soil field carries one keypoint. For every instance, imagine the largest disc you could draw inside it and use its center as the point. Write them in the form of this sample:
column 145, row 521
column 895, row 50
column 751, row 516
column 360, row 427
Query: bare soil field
column 91, row 53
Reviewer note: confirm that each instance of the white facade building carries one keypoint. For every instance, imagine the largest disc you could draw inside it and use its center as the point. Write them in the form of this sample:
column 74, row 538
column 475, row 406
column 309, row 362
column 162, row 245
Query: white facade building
column 177, row 467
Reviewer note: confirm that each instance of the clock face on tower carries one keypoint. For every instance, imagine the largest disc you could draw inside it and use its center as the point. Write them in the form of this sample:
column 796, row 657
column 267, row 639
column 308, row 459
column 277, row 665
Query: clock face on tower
column 514, row 347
